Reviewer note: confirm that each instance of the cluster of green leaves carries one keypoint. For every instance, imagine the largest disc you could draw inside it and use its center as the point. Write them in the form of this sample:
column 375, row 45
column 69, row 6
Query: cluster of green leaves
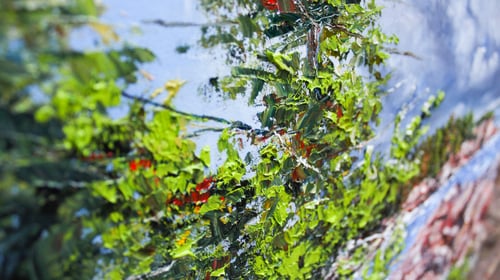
column 367, row 262
column 63, row 159
column 39, row 178
column 90, row 189
column 120, row 197
column 446, row 141
column 311, row 194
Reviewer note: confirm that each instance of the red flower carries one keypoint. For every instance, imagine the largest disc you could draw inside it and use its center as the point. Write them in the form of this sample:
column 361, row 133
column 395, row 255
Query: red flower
column 204, row 197
column 270, row 4
column 135, row 164
column 340, row 114
column 132, row 165
column 287, row 6
column 195, row 196
column 177, row 202
column 146, row 163
column 205, row 184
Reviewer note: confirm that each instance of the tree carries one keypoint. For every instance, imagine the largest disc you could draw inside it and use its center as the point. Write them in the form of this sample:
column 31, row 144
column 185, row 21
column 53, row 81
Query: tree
column 114, row 198
column 53, row 151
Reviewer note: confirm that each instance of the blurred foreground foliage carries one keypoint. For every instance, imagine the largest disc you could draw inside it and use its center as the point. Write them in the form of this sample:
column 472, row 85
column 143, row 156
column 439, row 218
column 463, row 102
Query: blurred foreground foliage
column 84, row 195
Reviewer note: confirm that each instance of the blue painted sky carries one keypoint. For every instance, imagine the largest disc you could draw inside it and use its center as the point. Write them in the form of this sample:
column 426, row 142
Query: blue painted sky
column 458, row 43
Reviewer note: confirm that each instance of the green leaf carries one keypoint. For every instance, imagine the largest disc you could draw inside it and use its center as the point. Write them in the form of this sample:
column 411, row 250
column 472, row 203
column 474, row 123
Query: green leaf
column 332, row 214
column 172, row 87
column 116, row 217
column 183, row 251
column 213, row 203
column 106, row 191
column 253, row 73
column 140, row 54
column 222, row 143
column 279, row 212
column 257, row 85
column 115, row 274
column 205, row 155
column 247, row 26
column 106, row 31
column 45, row 113
column 144, row 265
column 126, row 189
column 313, row 257
column 176, row 184
column 311, row 117
column 280, row 61
column 261, row 267
column 219, row 272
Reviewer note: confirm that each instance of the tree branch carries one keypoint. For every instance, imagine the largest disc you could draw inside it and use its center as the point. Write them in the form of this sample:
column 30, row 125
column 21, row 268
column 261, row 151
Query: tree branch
column 163, row 23
column 232, row 124
column 197, row 133
column 170, row 108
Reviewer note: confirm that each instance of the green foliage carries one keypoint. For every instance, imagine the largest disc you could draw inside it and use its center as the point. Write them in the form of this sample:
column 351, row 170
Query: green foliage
column 52, row 168
column 317, row 110
column 443, row 143
column 122, row 197
column 459, row 271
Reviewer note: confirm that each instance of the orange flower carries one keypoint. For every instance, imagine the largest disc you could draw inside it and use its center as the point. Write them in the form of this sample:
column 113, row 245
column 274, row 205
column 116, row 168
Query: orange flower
column 183, row 238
